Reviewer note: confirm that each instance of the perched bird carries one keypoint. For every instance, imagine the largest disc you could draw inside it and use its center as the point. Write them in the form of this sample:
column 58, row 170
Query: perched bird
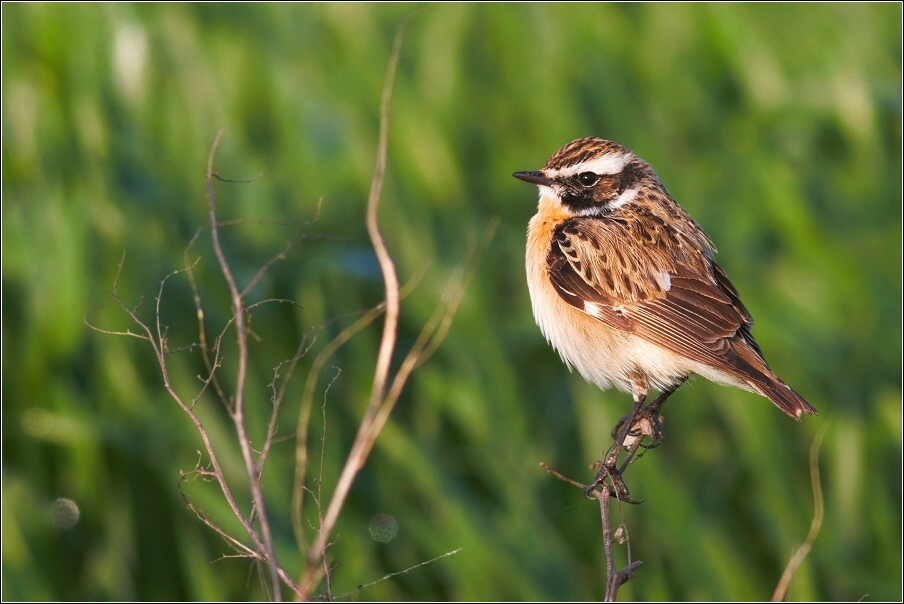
column 624, row 286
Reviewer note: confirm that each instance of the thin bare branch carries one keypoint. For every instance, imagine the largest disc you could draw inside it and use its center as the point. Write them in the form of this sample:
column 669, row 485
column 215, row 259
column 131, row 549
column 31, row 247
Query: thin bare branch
column 270, row 221
column 307, row 401
column 781, row 590
column 161, row 360
column 318, row 496
column 326, row 391
column 271, row 301
column 161, row 338
column 109, row 332
column 131, row 334
column 430, row 338
column 390, row 325
column 629, row 435
column 238, row 182
column 205, row 384
column 387, row 267
column 304, row 417
column 182, row 348
column 238, row 406
column 236, row 556
column 303, row 347
column 247, row 551
column 560, row 476
column 281, row 255
column 227, row 403
column 131, row 313
column 211, row 366
column 614, row 579
column 380, row 405
column 263, row 547
column 288, row 580
column 401, row 572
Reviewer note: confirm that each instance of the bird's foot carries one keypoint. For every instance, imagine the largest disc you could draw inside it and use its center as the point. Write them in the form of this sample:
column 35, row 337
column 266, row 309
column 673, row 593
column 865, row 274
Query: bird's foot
column 610, row 479
column 647, row 424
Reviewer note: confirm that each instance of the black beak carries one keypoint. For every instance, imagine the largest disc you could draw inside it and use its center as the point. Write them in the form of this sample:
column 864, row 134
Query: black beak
column 537, row 178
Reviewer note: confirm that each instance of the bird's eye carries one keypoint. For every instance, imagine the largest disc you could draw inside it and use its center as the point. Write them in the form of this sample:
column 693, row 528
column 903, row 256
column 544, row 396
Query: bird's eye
column 588, row 179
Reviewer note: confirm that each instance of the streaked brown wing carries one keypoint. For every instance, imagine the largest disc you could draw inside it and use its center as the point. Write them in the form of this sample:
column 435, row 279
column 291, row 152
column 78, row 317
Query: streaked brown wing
column 694, row 310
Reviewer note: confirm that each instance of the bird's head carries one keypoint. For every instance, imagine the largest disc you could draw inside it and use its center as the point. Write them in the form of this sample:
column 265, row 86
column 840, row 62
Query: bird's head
column 592, row 176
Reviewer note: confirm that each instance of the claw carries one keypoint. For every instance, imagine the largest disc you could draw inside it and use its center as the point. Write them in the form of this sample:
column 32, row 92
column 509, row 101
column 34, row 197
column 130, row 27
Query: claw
column 629, row 433
column 620, row 493
column 647, row 423
column 616, row 487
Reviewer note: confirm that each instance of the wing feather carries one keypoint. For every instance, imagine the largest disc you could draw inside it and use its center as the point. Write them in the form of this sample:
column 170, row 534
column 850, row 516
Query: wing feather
column 665, row 288
column 694, row 311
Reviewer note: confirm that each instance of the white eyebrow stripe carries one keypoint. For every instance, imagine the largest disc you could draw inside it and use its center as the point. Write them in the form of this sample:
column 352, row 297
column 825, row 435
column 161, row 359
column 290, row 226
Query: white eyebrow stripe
column 607, row 164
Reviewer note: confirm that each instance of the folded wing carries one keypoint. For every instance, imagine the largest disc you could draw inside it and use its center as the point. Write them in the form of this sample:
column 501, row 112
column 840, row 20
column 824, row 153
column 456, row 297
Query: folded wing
column 667, row 291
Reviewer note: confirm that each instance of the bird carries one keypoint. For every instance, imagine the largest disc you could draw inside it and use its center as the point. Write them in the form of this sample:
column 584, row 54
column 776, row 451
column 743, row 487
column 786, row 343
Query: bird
column 624, row 285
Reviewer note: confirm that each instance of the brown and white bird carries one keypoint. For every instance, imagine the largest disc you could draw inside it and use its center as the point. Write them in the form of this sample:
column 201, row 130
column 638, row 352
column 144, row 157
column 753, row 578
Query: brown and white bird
column 624, row 286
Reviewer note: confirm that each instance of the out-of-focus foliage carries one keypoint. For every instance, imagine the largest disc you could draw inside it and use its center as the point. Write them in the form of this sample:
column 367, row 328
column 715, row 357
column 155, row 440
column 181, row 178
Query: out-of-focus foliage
column 778, row 127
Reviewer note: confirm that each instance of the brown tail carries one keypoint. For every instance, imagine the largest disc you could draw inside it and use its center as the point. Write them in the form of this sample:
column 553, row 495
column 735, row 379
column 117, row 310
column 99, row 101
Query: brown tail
column 784, row 398
column 752, row 368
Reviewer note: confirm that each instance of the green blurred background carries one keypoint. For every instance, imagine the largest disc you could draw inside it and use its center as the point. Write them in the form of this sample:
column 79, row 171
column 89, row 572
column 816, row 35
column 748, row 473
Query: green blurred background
column 778, row 127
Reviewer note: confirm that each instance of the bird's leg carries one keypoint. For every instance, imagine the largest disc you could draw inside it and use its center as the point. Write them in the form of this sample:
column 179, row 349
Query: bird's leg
column 623, row 429
column 650, row 419
column 647, row 422
column 659, row 400
column 623, row 439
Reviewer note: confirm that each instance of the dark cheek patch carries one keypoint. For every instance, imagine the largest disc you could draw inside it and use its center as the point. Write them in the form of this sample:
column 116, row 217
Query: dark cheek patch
column 579, row 198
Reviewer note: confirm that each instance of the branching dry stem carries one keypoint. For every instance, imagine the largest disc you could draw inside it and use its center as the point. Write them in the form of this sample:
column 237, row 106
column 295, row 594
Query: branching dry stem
column 381, row 401
column 238, row 402
column 614, row 579
column 385, row 392
column 629, row 434
column 307, row 401
column 355, row 460
column 157, row 343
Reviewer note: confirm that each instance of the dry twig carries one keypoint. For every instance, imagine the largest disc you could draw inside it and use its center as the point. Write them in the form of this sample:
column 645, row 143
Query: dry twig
column 307, row 401
column 629, row 434
column 381, row 401
column 238, row 400
column 158, row 345
column 614, row 579
column 355, row 460
column 781, row 590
